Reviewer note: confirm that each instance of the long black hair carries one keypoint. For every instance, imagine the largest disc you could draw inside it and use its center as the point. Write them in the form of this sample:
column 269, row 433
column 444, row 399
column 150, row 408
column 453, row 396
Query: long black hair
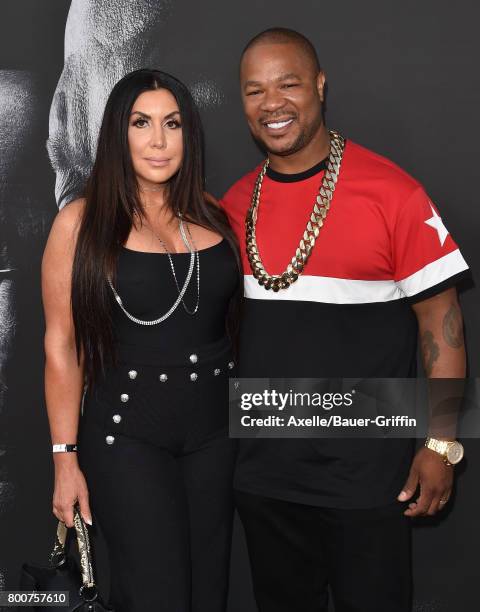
column 112, row 198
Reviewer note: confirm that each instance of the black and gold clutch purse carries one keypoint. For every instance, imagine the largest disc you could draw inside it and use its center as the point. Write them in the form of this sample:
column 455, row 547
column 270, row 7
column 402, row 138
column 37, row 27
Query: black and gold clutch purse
column 64, row 574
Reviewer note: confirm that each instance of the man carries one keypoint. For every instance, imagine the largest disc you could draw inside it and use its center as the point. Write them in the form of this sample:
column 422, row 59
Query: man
column 376, row 264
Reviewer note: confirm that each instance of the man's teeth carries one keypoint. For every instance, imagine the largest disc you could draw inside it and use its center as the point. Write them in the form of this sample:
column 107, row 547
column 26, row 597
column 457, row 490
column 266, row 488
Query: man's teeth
column 279, row 124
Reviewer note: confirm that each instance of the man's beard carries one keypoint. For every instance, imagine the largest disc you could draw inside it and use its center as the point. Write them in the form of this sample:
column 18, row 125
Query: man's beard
column 303, row 139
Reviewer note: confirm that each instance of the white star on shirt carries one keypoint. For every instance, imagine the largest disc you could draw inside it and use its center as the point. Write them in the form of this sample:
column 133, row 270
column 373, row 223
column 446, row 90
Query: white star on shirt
column 437, row 224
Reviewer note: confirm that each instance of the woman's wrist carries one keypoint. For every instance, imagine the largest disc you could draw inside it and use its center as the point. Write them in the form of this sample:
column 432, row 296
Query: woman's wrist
column 65, row 459
column 64, row 448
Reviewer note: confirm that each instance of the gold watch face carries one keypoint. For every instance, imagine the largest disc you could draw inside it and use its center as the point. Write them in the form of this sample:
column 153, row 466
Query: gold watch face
column 455, row 453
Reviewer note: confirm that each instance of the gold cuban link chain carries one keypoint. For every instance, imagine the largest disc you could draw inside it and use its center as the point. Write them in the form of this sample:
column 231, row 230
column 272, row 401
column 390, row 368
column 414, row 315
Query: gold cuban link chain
column 316, row 221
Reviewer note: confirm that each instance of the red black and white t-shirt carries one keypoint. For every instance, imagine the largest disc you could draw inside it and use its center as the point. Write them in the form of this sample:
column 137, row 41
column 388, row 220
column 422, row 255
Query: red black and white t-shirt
column 383, row 246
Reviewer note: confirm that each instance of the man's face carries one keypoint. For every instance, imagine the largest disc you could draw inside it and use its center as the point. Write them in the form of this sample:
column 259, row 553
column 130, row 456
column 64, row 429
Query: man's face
column 282, row 96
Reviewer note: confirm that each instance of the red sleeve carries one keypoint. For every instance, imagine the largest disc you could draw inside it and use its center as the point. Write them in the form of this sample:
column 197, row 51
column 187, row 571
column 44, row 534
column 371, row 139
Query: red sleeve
column 426, row 259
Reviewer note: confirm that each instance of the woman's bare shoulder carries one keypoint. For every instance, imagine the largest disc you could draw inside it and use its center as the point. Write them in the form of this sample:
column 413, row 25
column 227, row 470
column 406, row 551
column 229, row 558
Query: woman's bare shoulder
column 71, row 214
column 210, row 199
column 63, row 233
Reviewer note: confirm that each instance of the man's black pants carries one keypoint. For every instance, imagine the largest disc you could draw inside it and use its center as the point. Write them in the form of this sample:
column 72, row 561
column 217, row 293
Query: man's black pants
column 296, row 551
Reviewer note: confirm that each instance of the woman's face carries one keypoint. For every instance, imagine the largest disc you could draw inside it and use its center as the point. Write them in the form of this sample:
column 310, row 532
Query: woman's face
column 155, row 137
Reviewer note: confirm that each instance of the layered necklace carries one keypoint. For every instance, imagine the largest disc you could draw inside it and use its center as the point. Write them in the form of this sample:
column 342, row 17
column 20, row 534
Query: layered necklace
column 194, row 255
column 312, row 230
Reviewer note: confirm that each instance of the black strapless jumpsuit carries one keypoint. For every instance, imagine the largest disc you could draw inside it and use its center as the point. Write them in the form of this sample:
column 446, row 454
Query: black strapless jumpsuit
column 153, row 438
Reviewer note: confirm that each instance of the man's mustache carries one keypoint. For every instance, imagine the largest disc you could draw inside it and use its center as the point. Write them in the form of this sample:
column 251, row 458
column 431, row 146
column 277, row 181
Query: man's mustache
column 277, row 117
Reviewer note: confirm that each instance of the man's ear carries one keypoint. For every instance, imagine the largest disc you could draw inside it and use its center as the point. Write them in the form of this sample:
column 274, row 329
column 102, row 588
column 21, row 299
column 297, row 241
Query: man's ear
column 321, row 85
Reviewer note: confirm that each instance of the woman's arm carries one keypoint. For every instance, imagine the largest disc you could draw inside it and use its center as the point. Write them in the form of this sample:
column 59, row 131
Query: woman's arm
column 64, row 376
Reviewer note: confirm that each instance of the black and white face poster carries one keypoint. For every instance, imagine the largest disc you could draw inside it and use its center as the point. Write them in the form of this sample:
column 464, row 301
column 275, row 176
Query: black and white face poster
column 239, row 330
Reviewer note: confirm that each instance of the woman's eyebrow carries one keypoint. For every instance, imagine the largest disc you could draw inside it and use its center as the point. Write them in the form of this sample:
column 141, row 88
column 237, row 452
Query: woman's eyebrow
column 172, row 114
column 146, row 116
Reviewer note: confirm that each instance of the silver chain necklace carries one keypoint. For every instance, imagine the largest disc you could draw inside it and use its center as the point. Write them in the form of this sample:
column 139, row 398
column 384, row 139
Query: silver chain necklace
column 181, row 291
column 195, row 251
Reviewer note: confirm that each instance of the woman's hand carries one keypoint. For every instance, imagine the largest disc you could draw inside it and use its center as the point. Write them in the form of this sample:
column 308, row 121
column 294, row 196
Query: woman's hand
column 64, row 374
column 70, row 486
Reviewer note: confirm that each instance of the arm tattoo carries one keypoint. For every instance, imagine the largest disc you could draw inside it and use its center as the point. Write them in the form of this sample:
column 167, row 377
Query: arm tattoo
column 453, row 327
column 430, row 351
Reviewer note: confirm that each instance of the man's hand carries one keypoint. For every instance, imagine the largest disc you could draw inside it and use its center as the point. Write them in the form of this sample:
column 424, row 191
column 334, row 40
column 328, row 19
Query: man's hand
column 441, row 330
column 435, row 479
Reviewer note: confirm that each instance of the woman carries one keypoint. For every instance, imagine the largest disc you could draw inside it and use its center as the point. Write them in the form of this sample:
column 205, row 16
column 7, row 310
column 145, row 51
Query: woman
column 140, row 279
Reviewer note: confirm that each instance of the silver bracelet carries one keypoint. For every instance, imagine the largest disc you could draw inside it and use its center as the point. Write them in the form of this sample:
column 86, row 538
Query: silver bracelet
column 64, row 448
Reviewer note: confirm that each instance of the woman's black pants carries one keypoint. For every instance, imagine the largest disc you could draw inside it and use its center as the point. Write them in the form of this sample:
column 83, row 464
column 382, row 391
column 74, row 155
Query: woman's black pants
column 154, row 449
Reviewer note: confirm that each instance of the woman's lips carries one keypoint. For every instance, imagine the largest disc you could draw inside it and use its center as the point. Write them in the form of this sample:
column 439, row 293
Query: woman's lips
column 157, row 161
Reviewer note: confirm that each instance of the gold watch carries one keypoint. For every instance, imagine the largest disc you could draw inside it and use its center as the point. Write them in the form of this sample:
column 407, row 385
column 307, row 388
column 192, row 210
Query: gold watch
column 451, row 450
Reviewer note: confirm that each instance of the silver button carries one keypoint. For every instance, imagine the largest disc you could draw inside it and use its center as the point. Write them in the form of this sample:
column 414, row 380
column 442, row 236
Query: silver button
column 117, row 418
column 193, row 376
column 132, row 374
column 216, row 371
column 231, row 365
column 124, row 397
column 109, row 439
column 163, row 378
column 193, row 358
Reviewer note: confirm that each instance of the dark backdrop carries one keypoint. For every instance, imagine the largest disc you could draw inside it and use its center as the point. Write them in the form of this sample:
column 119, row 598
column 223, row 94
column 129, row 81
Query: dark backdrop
column 402, row 81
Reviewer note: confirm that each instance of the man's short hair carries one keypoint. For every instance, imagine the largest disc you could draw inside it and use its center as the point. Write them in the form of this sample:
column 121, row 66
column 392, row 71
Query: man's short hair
column 282, row 36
